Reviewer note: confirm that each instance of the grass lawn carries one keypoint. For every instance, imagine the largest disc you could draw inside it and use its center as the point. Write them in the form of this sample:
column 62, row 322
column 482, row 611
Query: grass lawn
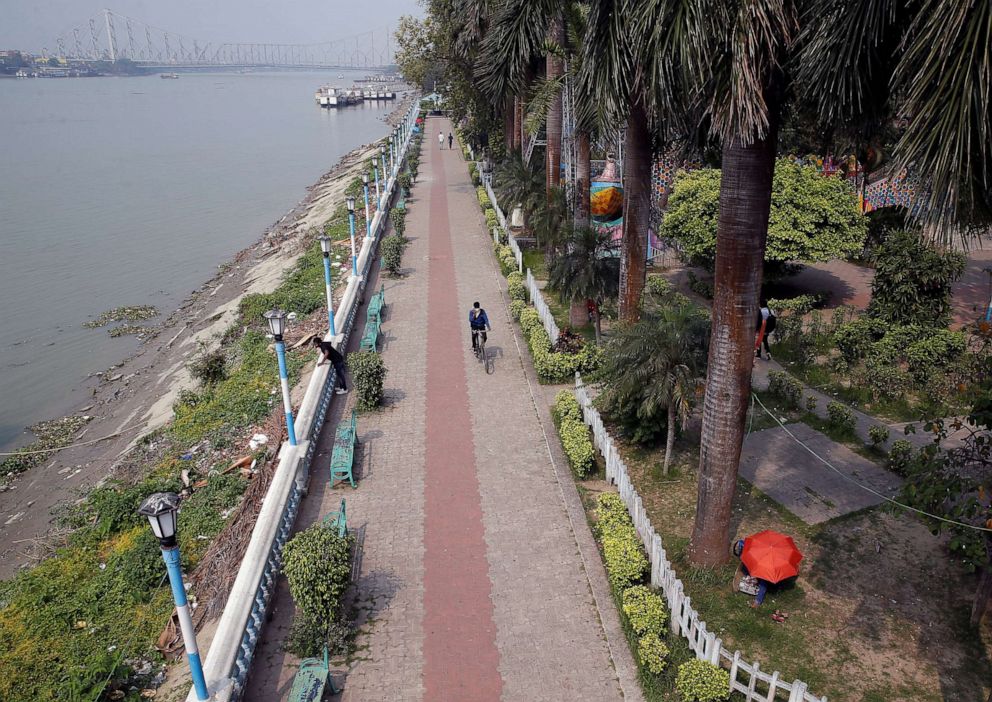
column 879, row 612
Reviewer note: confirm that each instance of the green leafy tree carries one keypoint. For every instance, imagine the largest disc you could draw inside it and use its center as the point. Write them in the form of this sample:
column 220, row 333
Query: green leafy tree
column 650, row 370
column 588, row 269
column 913, row 281
column 416, row 53
column 812, row 218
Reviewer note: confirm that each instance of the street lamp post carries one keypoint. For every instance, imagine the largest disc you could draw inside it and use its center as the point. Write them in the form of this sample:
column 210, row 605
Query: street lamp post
column 385, row 176
column 365, row 189
column 277, row 324
column 161, row 509
column 378, row 197
column 325, row 248
column 392, row 155
column 351, row 225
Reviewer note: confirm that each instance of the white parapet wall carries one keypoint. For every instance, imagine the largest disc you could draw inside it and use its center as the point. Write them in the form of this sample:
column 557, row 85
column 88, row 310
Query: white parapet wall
column 232, row 649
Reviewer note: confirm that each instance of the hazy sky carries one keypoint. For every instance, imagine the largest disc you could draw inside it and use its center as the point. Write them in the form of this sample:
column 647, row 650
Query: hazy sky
column 33, row 24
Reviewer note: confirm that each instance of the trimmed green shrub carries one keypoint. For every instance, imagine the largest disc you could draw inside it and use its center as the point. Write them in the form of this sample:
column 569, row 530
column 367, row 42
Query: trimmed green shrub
column 611, row 513
column 368, row 372
column 398, row 219
column 317, row 565
column 701, row 681
column 652, row 652
column 878, row 434
column 810, row 403
column 391, row 250
column 799, row 305
column 934, row 353
column 516, row 307
column 854, row 338
column 645, row 610
column 529, row 321
column 483, row 196
column 840, row 417
column 900, row 457
column 491, row 219
column 659, row 286
column 574, row 434
column 785, row 387
column 515, row 286
column 626, row 563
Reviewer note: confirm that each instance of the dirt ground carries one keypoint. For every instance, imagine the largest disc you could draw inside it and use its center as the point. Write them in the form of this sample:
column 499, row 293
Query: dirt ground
column 136, row 396
column 879, row 612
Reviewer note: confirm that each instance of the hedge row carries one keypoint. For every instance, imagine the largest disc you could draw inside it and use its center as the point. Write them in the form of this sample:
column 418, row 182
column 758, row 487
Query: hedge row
column 575, row 439
column 554, row 366
column 644, row 610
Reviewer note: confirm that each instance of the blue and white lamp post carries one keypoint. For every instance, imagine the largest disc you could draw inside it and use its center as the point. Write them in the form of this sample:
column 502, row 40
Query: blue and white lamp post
column 392, row 157
column 368, row 220
column 325, row 248
column 385, row 171
column 161, row 509
column 277, row 325
column 397, row 141
column 351, row 224
column 378, row 197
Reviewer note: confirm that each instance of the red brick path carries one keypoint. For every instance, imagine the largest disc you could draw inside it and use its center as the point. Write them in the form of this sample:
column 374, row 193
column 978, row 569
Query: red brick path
column 460, row 657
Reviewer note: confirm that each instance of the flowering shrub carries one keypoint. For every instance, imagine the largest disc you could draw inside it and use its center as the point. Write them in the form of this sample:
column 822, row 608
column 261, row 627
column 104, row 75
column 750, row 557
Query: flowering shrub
column 515, row 286
column 626, row 563
column 652, row 653
column 491, row 219
column 701, row 681
column 483, row 197
column 645, row 610
column 574, row 435
column 516, row 307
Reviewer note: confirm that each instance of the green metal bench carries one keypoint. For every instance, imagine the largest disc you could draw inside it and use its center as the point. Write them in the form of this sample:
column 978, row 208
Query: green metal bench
column 376, row 304
column 338, row 520
column 343, row 455
column 370, row 339
column 311, row 679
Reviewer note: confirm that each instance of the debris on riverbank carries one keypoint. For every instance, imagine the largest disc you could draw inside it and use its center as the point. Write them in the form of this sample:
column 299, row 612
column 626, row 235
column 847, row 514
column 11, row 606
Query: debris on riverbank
column 52, row 434
column 132, row 313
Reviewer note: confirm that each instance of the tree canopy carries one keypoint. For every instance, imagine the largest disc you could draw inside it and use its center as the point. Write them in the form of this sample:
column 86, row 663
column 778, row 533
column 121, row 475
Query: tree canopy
column 812, row 219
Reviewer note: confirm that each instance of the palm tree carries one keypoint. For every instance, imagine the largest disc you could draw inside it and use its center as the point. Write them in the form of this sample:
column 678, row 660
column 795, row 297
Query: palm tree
column 520, row 185
column 587, row 269
column 653, row 367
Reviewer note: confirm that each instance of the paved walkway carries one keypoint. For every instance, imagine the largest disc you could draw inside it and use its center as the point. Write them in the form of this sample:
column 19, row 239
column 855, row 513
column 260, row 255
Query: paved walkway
column 472, row 583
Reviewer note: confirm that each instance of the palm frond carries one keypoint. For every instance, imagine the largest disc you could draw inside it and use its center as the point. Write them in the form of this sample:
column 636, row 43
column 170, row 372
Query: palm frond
column 945, row 73
column 545, row 92
column 516, row 34
column 608, row 67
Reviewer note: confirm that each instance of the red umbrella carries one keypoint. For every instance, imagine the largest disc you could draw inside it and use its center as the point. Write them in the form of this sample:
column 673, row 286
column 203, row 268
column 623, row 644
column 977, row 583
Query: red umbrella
column 771, row 556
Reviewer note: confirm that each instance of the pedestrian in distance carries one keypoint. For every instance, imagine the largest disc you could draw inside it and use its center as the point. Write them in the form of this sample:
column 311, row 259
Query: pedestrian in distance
column 451, row 140
column 337, row 360
column 764, row 326
column 440, row 139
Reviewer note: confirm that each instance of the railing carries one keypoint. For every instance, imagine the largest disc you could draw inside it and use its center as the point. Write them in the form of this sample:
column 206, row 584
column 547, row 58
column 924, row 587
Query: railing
column 231, row 652
column 537, row 299
column 745, row 678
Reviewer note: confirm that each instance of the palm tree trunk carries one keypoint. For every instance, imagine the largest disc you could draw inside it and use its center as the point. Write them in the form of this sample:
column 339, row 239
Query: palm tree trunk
column 510, row 126
column 745, row 199
column 670, row 443
column 518, row 118
column 636, row 203
column 596, row 320
column 554, row 70
column 583, row 175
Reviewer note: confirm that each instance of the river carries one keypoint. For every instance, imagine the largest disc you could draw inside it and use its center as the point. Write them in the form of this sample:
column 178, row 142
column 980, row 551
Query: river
column 132, row 191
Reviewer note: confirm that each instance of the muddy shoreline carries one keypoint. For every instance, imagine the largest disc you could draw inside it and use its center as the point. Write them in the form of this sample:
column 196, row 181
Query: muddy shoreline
column 135, row 396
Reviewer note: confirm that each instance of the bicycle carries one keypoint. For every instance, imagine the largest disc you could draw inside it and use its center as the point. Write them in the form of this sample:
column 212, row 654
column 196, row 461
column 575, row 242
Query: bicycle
column 480, row 351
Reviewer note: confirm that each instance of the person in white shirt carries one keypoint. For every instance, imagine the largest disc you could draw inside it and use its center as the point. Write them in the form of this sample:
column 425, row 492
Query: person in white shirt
column 765, row 325
column 440, row 139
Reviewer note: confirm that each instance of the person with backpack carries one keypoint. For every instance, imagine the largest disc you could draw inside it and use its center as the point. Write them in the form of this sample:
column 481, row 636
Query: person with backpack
column 478, row 322
column 764, row 326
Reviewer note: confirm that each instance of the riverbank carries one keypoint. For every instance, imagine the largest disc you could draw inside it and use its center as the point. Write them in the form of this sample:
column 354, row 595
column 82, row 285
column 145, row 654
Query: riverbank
column 136, row 397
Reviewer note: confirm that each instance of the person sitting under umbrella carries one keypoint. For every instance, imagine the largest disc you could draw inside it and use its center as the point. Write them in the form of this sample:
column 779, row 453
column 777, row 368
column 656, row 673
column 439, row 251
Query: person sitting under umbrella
column 769, row 557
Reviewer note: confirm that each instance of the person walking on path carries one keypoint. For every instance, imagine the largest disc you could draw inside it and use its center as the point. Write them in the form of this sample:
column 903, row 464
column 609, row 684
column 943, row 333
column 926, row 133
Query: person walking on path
column 336, row 359
column 764, row 326
column 440, row 139
column 478, row 322
column 451, row 140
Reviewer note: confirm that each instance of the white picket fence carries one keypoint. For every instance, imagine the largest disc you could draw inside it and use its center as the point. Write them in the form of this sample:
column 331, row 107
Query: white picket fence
column 537, row 299
column 746, row 678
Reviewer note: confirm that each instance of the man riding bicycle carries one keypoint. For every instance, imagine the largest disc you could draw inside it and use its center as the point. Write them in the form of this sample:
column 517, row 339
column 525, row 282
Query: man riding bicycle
column 478, row 322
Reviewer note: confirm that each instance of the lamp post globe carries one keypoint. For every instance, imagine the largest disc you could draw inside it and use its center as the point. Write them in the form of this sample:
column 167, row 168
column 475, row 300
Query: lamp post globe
column 161, row 508
column 277, row 323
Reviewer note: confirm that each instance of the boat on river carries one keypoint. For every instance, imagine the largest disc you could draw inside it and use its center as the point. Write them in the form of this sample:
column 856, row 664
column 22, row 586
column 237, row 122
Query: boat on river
column 173, row 76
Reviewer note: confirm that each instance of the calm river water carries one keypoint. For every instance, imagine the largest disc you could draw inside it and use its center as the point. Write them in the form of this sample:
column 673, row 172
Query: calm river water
column 131, row 191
